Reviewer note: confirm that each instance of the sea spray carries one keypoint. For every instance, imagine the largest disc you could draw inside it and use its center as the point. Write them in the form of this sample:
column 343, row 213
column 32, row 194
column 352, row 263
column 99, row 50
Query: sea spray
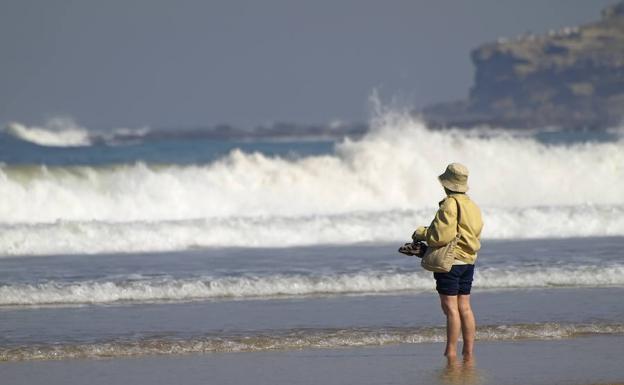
column 378, row 173
column 376, row 188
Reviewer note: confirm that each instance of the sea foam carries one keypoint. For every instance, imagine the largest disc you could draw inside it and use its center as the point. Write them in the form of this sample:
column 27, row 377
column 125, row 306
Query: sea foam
column 250, row 286
column 96, row 237
column 296, row 339
column 376, row 188
column 65, row 132
column 392, row 168
column 57, row 132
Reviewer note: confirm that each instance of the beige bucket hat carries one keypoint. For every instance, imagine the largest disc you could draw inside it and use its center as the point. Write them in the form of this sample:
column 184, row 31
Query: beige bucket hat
column 455, row 177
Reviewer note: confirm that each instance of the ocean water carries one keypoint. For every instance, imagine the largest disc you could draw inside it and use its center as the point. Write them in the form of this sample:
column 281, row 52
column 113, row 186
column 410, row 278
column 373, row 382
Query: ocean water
column 121, row 244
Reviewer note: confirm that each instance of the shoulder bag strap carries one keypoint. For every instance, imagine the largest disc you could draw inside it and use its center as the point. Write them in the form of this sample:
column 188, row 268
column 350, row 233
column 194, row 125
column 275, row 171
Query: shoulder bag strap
column 458, row 217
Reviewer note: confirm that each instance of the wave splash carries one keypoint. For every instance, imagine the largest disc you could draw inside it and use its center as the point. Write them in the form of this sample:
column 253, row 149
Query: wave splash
column 250, row 287
column 392, row 168
column 297, row 339
column 526, row 189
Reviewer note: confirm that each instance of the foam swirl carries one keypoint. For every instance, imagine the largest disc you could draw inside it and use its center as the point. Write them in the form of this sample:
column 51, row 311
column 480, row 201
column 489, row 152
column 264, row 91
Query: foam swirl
column 294, row 339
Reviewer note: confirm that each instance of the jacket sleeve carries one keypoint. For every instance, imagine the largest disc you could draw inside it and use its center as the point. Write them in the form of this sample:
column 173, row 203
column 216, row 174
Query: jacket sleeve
column 420, row 234
column 443, row 228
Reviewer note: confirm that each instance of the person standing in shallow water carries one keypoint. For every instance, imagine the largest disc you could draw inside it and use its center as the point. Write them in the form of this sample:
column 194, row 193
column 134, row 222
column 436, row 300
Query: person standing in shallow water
column 457, row 212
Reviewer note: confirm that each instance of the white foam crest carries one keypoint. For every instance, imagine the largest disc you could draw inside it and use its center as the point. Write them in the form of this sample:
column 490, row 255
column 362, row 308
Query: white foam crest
column 553, row 276
column 392, row 168
column 88, row 292
column 69, row 237
column 65, row 132
column 226, row 287
column 57, row 132
column 296, row 339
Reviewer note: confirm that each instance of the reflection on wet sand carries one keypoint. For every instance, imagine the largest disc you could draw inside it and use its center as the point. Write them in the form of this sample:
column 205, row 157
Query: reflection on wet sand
column 462, row 372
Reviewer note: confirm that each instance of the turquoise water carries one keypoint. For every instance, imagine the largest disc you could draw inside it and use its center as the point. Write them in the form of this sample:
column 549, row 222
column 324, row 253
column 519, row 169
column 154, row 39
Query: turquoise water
column 171, row 151
column 202, row 150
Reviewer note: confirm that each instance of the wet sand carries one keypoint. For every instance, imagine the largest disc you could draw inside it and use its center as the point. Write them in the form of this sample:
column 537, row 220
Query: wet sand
column 584, row 360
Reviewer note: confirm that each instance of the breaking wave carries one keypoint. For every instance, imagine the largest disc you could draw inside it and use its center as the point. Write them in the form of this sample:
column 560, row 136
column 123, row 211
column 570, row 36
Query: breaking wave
column 392, row 168
column 80, row 237
column 372, row 189
column 65, row 132
column 58, row 132
column 247, row 287
column 295, row 339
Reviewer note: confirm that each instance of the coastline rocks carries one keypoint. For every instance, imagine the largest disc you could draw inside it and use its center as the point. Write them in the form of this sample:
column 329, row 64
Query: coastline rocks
column 572, row 78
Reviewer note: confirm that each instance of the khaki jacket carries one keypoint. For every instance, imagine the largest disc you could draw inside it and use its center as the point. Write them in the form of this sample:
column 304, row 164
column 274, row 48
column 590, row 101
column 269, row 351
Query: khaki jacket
column 443, row 228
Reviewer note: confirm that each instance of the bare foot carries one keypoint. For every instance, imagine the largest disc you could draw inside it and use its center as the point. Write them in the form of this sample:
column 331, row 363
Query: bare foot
column 468, row 357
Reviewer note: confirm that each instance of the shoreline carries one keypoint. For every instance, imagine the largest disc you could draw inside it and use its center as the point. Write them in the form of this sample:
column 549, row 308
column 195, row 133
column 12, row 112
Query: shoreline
column 300, row 339
column 584, row 360
column 293, row 324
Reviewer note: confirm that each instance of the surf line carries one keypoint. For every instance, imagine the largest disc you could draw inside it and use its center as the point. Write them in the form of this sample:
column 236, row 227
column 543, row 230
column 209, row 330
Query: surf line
column 295, row 339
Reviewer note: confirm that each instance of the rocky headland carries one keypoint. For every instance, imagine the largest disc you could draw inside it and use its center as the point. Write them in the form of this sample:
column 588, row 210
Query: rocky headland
column 572, row 78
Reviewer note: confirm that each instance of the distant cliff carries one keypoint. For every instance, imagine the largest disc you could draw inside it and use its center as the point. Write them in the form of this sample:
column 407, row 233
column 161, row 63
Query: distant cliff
column 573, row 78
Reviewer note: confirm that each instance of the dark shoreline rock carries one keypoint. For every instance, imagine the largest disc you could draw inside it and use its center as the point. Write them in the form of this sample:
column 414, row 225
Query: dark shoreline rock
column 572, row 79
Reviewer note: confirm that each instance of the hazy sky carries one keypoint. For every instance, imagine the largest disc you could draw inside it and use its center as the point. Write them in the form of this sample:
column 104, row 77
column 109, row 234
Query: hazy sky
column 131, row 63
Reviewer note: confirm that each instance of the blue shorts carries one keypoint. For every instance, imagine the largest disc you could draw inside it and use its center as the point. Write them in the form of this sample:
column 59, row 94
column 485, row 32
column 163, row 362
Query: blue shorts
column 458, row 281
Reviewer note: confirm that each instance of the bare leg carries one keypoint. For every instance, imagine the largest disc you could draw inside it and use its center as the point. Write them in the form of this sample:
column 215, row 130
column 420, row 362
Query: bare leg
column 467, row 325
column 453, row 323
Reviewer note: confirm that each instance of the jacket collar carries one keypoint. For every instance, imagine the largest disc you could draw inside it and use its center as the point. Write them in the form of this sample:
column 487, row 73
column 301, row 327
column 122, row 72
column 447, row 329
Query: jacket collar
column 454, row 195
